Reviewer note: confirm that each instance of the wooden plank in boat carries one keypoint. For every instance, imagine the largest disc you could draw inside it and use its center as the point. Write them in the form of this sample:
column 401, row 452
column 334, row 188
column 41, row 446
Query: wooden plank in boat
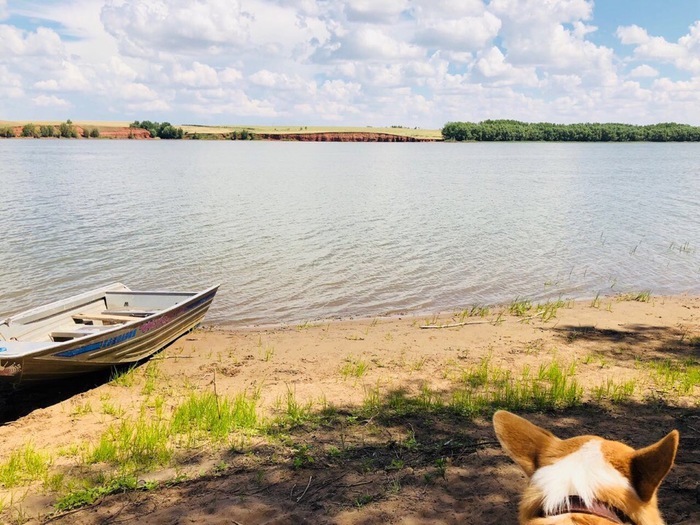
column 82, row 331
column 132, row 313
column 103, row 317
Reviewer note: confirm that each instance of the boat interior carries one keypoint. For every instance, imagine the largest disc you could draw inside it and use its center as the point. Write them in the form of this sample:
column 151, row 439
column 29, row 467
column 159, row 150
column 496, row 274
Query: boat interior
column 87, row 314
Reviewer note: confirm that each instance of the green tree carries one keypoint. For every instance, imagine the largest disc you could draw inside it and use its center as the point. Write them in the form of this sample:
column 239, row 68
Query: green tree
column 67, row 130
column 95, row 133
column 30, row 130
column 510, row 130
column 164, row 130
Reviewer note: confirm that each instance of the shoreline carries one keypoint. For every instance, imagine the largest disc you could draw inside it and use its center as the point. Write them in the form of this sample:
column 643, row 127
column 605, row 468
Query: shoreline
column 427, row 315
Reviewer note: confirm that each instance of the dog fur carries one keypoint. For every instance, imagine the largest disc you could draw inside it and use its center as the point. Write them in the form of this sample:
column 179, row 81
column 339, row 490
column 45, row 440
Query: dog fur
column 585, row 480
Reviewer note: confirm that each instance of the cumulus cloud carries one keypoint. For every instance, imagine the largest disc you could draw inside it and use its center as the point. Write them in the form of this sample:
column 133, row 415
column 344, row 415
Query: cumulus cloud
column 51, row 101
column 492, row 66
column 16, row 42
column 281, row 82
column 10, row 83
column 644, row 71
column 684, row 54
column 369, row 43
column 230, row 75
column 66, row 76
column 198, row 75
column 176, row 25
column 375, row 12
column 465, row 33
column 534, row 33
column 233, row 102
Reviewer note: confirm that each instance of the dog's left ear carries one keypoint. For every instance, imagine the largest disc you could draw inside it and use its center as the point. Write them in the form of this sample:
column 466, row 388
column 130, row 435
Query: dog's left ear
column 651, row 464
column 523, row 441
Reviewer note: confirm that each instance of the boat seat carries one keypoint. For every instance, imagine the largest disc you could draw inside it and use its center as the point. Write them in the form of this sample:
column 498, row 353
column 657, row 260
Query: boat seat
column 82, row 331
column 131, row 313
column 81, row 318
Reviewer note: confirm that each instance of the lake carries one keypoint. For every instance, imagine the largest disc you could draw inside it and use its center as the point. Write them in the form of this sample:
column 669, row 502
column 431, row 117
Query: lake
column 296, row 232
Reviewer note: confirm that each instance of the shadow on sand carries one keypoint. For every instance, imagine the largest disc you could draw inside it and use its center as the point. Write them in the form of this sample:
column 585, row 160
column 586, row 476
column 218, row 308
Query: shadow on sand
column 22, row 400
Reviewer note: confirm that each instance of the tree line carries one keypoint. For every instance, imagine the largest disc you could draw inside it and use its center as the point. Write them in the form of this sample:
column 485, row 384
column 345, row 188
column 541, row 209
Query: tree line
column 163, row 130
column 514, row 130
column 64, row 130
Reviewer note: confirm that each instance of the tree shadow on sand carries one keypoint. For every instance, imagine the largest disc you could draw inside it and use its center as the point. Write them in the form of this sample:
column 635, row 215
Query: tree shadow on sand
column 634, row 342
column 400, row 461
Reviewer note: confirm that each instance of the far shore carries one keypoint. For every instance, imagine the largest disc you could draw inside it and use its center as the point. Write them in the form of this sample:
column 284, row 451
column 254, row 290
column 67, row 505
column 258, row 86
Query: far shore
column 122, row 130
column 358, row 421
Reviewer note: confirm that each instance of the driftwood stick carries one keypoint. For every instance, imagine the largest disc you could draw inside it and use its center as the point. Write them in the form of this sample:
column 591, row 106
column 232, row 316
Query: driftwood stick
column 307, row 488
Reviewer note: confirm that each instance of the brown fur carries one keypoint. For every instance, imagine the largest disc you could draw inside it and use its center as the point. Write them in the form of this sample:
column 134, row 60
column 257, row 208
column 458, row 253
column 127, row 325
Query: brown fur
column 532, row 448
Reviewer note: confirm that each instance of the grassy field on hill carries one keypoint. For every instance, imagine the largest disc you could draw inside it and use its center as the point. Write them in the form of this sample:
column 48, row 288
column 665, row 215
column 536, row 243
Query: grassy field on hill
column 191, row 129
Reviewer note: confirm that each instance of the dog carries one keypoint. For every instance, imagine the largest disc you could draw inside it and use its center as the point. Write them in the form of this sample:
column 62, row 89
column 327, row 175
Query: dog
column 585, row 480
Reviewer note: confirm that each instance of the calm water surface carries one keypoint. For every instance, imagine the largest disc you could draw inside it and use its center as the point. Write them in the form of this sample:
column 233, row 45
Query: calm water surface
column 301, row 231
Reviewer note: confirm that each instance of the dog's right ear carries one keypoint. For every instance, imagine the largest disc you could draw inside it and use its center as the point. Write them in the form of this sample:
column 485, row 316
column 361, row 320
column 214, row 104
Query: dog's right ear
column 522, row 440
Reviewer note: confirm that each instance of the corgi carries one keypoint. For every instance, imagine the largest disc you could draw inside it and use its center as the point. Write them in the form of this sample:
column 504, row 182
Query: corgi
column 585, row 480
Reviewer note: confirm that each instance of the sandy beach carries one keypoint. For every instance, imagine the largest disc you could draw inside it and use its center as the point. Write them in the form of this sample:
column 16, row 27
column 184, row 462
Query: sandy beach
column 367, row 421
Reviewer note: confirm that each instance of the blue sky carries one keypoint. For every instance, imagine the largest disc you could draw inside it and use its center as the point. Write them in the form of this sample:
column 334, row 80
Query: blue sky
column 417, row 63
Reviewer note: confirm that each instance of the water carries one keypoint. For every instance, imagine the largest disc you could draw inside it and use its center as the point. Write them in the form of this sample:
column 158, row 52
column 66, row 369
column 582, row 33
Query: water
column 305, row 231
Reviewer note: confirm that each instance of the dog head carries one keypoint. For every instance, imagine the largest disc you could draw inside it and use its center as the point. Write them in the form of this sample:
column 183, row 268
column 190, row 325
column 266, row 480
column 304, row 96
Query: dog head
column 585, row 480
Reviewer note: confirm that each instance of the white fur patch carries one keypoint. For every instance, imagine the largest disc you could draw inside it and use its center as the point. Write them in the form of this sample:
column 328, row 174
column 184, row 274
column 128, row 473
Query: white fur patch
column 582, row 473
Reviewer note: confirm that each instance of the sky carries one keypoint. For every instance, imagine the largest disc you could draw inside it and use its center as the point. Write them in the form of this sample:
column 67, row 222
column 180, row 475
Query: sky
column 413, row 63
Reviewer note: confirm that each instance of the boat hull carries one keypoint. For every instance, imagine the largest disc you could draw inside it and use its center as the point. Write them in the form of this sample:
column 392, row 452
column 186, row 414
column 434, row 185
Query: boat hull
column 122, row 344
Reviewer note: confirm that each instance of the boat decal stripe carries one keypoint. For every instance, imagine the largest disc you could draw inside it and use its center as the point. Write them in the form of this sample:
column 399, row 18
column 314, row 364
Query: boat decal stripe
column 105, row 343
column 200, row 301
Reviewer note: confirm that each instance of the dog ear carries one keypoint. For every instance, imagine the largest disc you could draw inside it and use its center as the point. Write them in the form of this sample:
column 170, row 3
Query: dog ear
column 522, row 440
column 651, row 464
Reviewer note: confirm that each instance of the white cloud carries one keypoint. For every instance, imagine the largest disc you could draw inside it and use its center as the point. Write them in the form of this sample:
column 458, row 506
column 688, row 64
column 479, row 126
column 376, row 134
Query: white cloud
column 149, row 106
column 18, row 43
column 176, row 25
column 544, row 10
column 632, row 34
column 373, row 11
column 200, row 75
column 50, row 101
column 3, row 10
column 230, row 75
column 282, row 82
column 340, row 90
column 465, row 33
column 137, row 93
column 119, row 69
column 647, row 46
column 66, row 76
column 684, row 54
column 493, row 66
column 561, row 83
column 372, row 44
column 233, row 104
column 10, row 83
column 448, row 9
column 534, row 34
column 644, row 71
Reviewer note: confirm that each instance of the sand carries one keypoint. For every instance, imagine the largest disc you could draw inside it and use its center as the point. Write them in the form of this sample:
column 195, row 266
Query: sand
column 376, row 455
